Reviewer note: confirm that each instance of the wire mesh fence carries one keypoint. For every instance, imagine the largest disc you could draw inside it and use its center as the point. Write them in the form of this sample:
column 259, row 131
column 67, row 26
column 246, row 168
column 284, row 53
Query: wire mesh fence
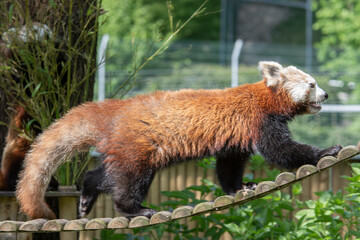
column 195, row 64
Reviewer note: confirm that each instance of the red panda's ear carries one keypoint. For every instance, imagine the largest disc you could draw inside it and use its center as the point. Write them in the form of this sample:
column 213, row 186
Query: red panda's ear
column 271, row 72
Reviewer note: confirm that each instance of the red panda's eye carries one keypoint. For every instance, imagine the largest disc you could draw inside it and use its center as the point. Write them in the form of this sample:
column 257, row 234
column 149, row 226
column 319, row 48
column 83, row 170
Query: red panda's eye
column 312, row 85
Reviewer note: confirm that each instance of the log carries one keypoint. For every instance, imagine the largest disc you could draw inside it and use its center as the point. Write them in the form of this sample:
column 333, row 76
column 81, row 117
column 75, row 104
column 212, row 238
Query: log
column 97, row 223
column 118, row 222
column 223, row 200
column 76, row 225
column 284, row 178
column 305, row 170
column 33, row 225
column 181, row 212
column 160, row 217
column 326, row 162
column 244, row 194
column 56, row 225
column 348, row 152
column 203, row 207
column 10, row 226
column 139, row 221
column 264, row 187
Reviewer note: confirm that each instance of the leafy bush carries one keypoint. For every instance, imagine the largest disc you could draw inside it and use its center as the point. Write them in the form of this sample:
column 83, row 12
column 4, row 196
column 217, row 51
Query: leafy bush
column 275, row 216
column 52, row 66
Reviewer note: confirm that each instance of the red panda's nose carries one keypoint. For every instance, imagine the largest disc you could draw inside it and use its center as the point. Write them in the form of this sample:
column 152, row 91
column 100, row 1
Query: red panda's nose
column 326, row 96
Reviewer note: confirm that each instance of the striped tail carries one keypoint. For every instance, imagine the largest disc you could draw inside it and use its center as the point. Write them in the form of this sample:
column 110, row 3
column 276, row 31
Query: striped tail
column 50, row 149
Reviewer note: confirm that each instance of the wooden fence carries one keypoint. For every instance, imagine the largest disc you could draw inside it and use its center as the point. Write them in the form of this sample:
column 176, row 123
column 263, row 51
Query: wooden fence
column 181, row 176
column 178, row 178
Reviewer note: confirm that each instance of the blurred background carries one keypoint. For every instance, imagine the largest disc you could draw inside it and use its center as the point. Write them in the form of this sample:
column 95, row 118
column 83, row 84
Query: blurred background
column 145, row 46
column 320, row 37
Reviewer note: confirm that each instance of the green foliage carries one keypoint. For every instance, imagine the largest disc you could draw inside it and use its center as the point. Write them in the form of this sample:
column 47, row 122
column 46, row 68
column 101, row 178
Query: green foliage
column 140, row 19
column 206, row 26
column 52, row 69
column 275, row 216
column 142, row 53
column 132, row 22
column 131, row 19
column 338, row 49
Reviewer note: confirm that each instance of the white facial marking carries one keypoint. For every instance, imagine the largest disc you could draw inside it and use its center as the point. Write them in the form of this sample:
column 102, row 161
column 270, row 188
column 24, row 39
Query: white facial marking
column 303, row 89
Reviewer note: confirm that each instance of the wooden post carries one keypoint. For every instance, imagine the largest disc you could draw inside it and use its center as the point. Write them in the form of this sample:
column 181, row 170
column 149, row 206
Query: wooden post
column 9, row 210
column 67, row 210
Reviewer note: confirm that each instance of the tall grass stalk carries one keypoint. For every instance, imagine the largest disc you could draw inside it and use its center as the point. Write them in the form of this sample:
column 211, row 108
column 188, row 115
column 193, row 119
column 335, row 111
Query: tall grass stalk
column 164, row 45
column 53, row 66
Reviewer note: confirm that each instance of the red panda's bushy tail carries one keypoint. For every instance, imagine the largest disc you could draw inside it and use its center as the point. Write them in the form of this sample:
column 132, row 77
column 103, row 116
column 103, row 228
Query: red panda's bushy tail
column 49, row 150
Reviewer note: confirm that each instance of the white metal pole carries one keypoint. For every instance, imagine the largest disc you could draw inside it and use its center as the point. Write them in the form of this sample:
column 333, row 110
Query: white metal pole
column 101, row 64
column 235, row 62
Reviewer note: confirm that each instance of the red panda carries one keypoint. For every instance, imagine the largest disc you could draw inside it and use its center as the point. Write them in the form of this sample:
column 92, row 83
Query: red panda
column 140, row 135
column 14, row 151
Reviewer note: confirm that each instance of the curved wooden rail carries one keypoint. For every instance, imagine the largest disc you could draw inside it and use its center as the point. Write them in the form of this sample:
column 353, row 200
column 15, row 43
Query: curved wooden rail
column 263, row 188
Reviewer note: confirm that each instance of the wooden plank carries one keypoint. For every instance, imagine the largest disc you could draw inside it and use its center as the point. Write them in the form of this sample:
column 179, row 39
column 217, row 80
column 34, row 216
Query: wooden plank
column 198, row 178
column 109, row 206
column 154, row 197
column 190, row 174
column 68, row 210
column 164, row 183
column 306, row 189
column 180, row 177
column 323, row 179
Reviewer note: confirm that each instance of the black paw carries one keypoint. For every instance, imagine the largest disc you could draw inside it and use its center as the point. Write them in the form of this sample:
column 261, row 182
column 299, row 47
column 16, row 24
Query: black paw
column 249, row 186
column 331, row 151
column 147, row 212
column 86, row 204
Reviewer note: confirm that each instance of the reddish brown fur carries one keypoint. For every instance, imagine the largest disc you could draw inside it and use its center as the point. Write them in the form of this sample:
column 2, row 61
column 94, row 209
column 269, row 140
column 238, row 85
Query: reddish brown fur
column 156, row 144
column 14, row 151
column 150, row 131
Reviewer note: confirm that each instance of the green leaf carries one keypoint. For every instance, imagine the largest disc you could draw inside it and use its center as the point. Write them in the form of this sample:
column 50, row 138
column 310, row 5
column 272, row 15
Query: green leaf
column 232, row 227
column 307, row 213
column 28, row 124
column 33, row 94
column 179, row 194
column 355, row 233
column 202, row 188
column 286, row 205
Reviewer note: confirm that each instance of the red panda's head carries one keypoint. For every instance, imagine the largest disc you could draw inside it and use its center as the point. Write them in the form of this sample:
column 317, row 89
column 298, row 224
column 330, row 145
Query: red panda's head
column 300, row 86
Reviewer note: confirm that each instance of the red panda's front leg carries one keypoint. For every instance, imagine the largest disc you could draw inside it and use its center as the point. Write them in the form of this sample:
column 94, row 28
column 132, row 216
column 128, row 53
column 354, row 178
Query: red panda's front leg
column 230, row 166
column 278, row 148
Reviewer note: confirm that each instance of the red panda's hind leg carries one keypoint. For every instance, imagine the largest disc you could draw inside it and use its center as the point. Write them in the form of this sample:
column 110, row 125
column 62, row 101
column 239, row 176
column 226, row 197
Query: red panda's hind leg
column 130, row 190
column 94, row 183
column 230, row 166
